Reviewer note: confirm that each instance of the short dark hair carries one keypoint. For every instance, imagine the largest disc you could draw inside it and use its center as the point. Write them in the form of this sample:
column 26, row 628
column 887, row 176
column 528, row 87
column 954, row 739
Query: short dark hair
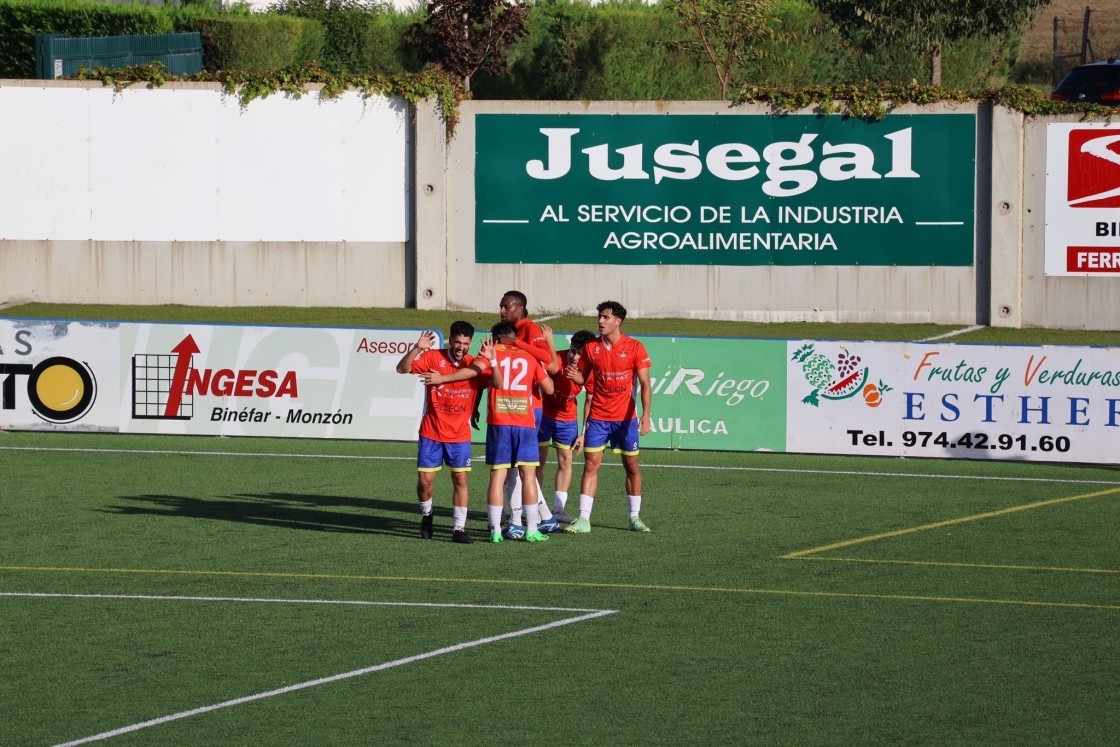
column 519, row 296
column 579, row 339
column 461, row 329
column 616, row 308
column 503, row 329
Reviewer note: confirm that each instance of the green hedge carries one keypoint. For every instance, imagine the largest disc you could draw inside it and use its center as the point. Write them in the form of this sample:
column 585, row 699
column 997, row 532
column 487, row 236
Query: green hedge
column 361, row 38
column 21, row 20
column 621, row 50
column 258, row 43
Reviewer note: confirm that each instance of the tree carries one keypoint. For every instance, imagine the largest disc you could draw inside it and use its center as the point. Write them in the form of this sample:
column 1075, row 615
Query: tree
column 728, row 32
column 927, row 25
column 469, row 36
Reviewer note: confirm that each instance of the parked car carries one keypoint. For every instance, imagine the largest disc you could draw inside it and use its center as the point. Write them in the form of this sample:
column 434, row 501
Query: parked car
column 1092, row 83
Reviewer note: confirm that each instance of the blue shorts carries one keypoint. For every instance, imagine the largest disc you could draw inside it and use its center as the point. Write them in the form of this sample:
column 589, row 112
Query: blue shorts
column 511, row 446
column 432, row 455
column 621, row 434
column 563, row 433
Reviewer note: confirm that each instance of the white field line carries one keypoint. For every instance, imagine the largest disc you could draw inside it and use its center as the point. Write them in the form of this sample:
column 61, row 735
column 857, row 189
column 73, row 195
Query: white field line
column 954, row 333
column 779, row 470
column 590, row 615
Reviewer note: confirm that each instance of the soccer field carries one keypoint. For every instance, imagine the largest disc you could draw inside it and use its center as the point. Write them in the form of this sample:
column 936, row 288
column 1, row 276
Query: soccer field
column 174, row 590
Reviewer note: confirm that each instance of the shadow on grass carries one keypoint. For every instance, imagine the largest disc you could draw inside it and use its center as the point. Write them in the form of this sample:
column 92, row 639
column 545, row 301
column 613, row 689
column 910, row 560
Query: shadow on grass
column 286, row 510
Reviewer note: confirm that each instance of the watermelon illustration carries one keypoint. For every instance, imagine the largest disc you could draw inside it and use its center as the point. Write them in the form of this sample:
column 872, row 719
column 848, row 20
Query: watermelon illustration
column 840, row 380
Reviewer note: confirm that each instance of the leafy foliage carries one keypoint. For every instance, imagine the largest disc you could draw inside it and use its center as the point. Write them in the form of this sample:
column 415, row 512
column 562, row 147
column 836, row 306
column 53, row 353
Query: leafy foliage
column 296, row 81
column 21, row 20
column 726, row 33
column 465, row 37
column 873, row 101
column 258, row 42
column 926, row 25
column 360, row 37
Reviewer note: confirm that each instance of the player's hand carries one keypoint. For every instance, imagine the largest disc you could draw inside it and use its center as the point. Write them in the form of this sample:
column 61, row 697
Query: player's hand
column 475, row 416
column 546, row 332
column 487, row 350
column 644, row 424
column 431, row 378
column 571, row 370
column 427, row 340
column 577, row 445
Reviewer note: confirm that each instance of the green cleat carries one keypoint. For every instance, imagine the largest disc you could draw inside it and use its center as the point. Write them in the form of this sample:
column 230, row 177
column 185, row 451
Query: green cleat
column 535, row 537
column 579, row 526
column 637, row 525
column 495, row 537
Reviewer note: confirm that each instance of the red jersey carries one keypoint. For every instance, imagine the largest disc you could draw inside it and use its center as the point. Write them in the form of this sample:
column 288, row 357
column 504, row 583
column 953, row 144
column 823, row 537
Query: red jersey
column 531, row 340
column 512, row 404
column 612, row 374
column 562, row 403
column 447, row 407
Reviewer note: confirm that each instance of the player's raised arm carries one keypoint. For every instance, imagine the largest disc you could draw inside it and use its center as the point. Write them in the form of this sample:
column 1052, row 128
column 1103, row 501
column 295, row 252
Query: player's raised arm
column 426, row 342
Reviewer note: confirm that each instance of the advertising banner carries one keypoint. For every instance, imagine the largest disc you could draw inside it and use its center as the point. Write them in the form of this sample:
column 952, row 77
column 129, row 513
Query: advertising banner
column 59, row 375
column 721, row 395
column 293, row 382
column 1025, row 403
column 1082, row 197
column 725, row 190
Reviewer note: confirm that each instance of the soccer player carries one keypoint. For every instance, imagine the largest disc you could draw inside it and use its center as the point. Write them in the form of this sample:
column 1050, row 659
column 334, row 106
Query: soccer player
column 616, row 365
column 560, row 426
column 535, row 339
column 511, row 428
column 511, row 432
column 450, row 410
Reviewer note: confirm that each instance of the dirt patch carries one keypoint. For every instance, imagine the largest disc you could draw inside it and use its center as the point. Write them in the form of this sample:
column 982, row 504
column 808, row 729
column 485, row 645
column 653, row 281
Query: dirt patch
column 1104, row 29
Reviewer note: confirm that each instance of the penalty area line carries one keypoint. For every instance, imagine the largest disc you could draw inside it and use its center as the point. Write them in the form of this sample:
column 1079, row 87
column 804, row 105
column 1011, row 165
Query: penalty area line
column 323, row 680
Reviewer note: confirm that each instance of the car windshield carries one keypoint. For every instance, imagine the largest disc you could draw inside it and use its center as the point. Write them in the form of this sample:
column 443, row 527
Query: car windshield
column 1092, row 76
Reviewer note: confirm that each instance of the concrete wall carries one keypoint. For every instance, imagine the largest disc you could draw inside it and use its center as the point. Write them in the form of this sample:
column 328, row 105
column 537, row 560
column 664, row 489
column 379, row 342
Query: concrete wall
column 435, row 268
column 948, row 295
column 154, row 197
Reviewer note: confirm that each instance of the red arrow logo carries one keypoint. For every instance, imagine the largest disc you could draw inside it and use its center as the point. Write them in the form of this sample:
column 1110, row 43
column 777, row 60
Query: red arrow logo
column 185, row 349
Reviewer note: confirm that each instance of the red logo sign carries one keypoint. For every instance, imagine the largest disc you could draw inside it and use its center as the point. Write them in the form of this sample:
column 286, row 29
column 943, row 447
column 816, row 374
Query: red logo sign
column 1094, row 168
column 1093, row 259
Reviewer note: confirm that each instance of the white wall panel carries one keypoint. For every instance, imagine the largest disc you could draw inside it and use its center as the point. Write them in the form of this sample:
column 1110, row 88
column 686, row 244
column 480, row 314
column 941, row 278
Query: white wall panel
column 190, row 164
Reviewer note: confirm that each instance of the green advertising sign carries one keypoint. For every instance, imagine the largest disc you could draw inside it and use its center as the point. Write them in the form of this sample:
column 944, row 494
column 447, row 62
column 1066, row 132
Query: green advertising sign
column 725, row 190
column 708, row 393
column 722, row 395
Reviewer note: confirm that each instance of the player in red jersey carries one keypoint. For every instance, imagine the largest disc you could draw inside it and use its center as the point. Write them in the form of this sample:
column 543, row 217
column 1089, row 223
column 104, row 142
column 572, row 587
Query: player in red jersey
column 535, row 339
column 616, row 365
column 450, row 410
column 511, row 430
column 560, row 426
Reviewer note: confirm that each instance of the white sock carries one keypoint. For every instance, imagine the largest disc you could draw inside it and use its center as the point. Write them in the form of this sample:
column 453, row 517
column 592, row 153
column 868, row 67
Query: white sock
column 514, row 499
column 426, row 507
column 635, row 505
column 460, row 516
column 585, row 503
column 494, row 515
column 559, row 501
column 532, row 518
column 542, row 505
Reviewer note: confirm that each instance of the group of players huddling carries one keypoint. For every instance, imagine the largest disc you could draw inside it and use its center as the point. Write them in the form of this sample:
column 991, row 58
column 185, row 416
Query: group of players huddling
column 531, row 407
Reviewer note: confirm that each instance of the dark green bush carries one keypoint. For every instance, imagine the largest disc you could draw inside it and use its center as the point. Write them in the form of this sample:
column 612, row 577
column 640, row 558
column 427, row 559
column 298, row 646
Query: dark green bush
column 258, row 43
column 360, row 38
column 21, row 20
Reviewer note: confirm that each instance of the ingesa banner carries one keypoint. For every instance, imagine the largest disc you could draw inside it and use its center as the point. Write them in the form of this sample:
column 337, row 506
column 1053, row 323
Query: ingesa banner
column 293, row 382
column 1025, row 403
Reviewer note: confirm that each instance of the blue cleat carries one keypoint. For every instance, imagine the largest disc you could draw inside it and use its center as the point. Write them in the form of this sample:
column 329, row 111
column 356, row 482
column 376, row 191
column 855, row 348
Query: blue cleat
column 551, row 526
column 514, row 532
